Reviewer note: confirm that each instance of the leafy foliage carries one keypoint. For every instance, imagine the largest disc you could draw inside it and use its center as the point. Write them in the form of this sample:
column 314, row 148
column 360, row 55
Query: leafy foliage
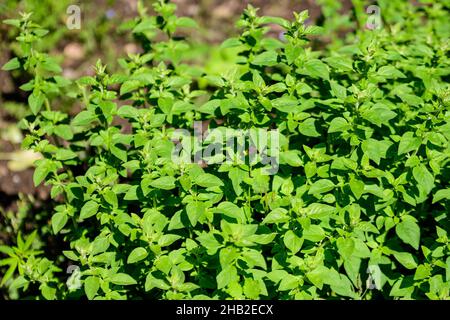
column 358, row 208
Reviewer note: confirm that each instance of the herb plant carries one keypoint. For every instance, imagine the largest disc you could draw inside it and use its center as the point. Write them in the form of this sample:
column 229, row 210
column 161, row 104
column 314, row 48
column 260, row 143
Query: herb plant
column 357, row 208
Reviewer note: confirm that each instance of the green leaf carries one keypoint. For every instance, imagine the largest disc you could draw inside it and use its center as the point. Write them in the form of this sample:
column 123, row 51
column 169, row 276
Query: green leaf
column 209, row 241
column 406, row 259
column 231, row 43
column 357, row 187
column 292, row 158
column 231, row 210
column 422, row 272
column 441, row 194
column 236, row 177
column 146, row 24
column 409, row 232
column 340, row 63
column 50, row 64
column 285, row 104
column 338, row 125
column 268, row 58
column 292, row 52
column 367, row 227
column 91, row 286
column 258, row 80
column 65, row 154
column 278, row 87
column 165, row 183
column 274, row 20
column 164, row 264
column 314, row 233
column 119, row 151
column 390, row 72
column 195, row 210
column 9, row 273
column 277, row 215
column 89, row 209
column 254, row 258
column 316, row 69
column 13, row 22
column 343, row 287
column 84, row 118
column 352, row 268
column 41, row 172
column 137, row 255
column 317, row 275
column 226, row 276
column 251, row 288
column 447, row 269
column 12, row 64
column 321, row 186
column 319, row 210
column 186, row 22
column 408, row 143
column 345, row 246
column 167, row 239
column 152, row 282
column 379, row 114
column 128, row 112
column 308, row 128
column 208, row 180
column 64, row 131
column 35, row 101
column 18, row 283
column 7, row 250
column 132, row 194
column 100, row 245
column 129, row 86
column 122, row 279
column 86, row 80
column 376, row 149
column 337, row 90
column 424, row 178
column 111, row 197
column 47, row 292
column 292, row 241
column 71, row 255
column 210, row 106
column 288, row 283
column 175, row 222
column 59, row 220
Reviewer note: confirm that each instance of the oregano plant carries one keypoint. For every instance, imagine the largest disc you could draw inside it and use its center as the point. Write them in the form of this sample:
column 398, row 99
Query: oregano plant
column 300, row 173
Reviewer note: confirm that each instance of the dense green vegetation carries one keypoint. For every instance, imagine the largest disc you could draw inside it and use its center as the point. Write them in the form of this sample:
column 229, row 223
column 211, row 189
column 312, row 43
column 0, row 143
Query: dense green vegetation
column 350, row 199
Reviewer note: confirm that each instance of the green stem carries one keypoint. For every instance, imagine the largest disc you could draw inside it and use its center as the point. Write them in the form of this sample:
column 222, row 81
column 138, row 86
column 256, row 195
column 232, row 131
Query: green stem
column 47, row 105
